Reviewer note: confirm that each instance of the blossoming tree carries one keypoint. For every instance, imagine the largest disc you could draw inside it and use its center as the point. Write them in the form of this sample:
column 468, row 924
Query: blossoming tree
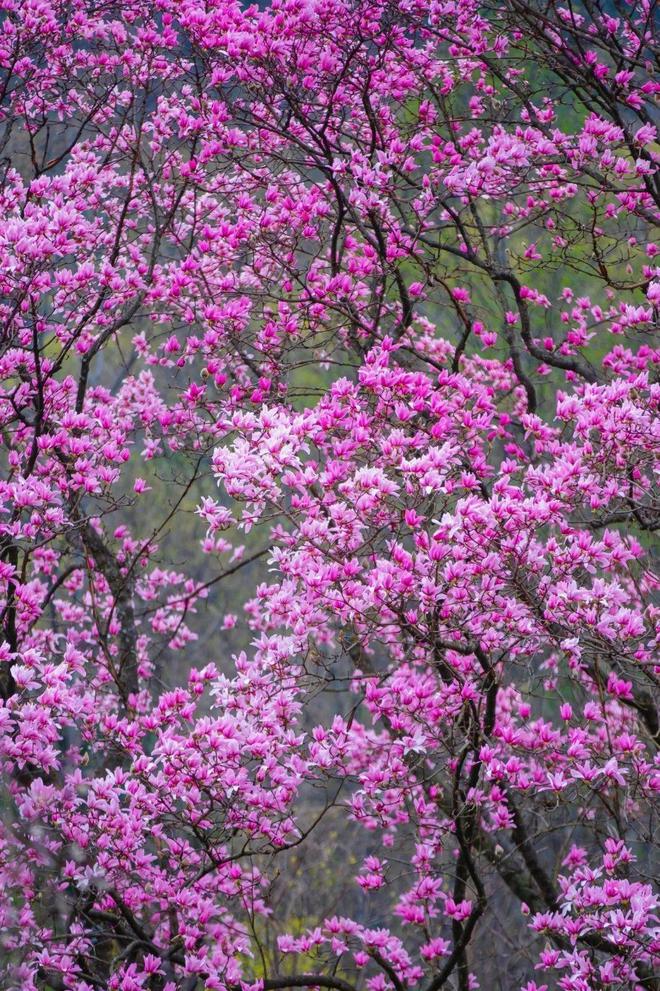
column 371, row 285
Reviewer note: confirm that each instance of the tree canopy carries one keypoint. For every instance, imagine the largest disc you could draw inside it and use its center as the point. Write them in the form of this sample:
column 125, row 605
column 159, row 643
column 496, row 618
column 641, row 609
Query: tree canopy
column 328, row 478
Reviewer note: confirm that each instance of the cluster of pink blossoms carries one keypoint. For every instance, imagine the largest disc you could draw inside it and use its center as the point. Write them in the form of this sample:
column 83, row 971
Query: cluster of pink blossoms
column 355, row 298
